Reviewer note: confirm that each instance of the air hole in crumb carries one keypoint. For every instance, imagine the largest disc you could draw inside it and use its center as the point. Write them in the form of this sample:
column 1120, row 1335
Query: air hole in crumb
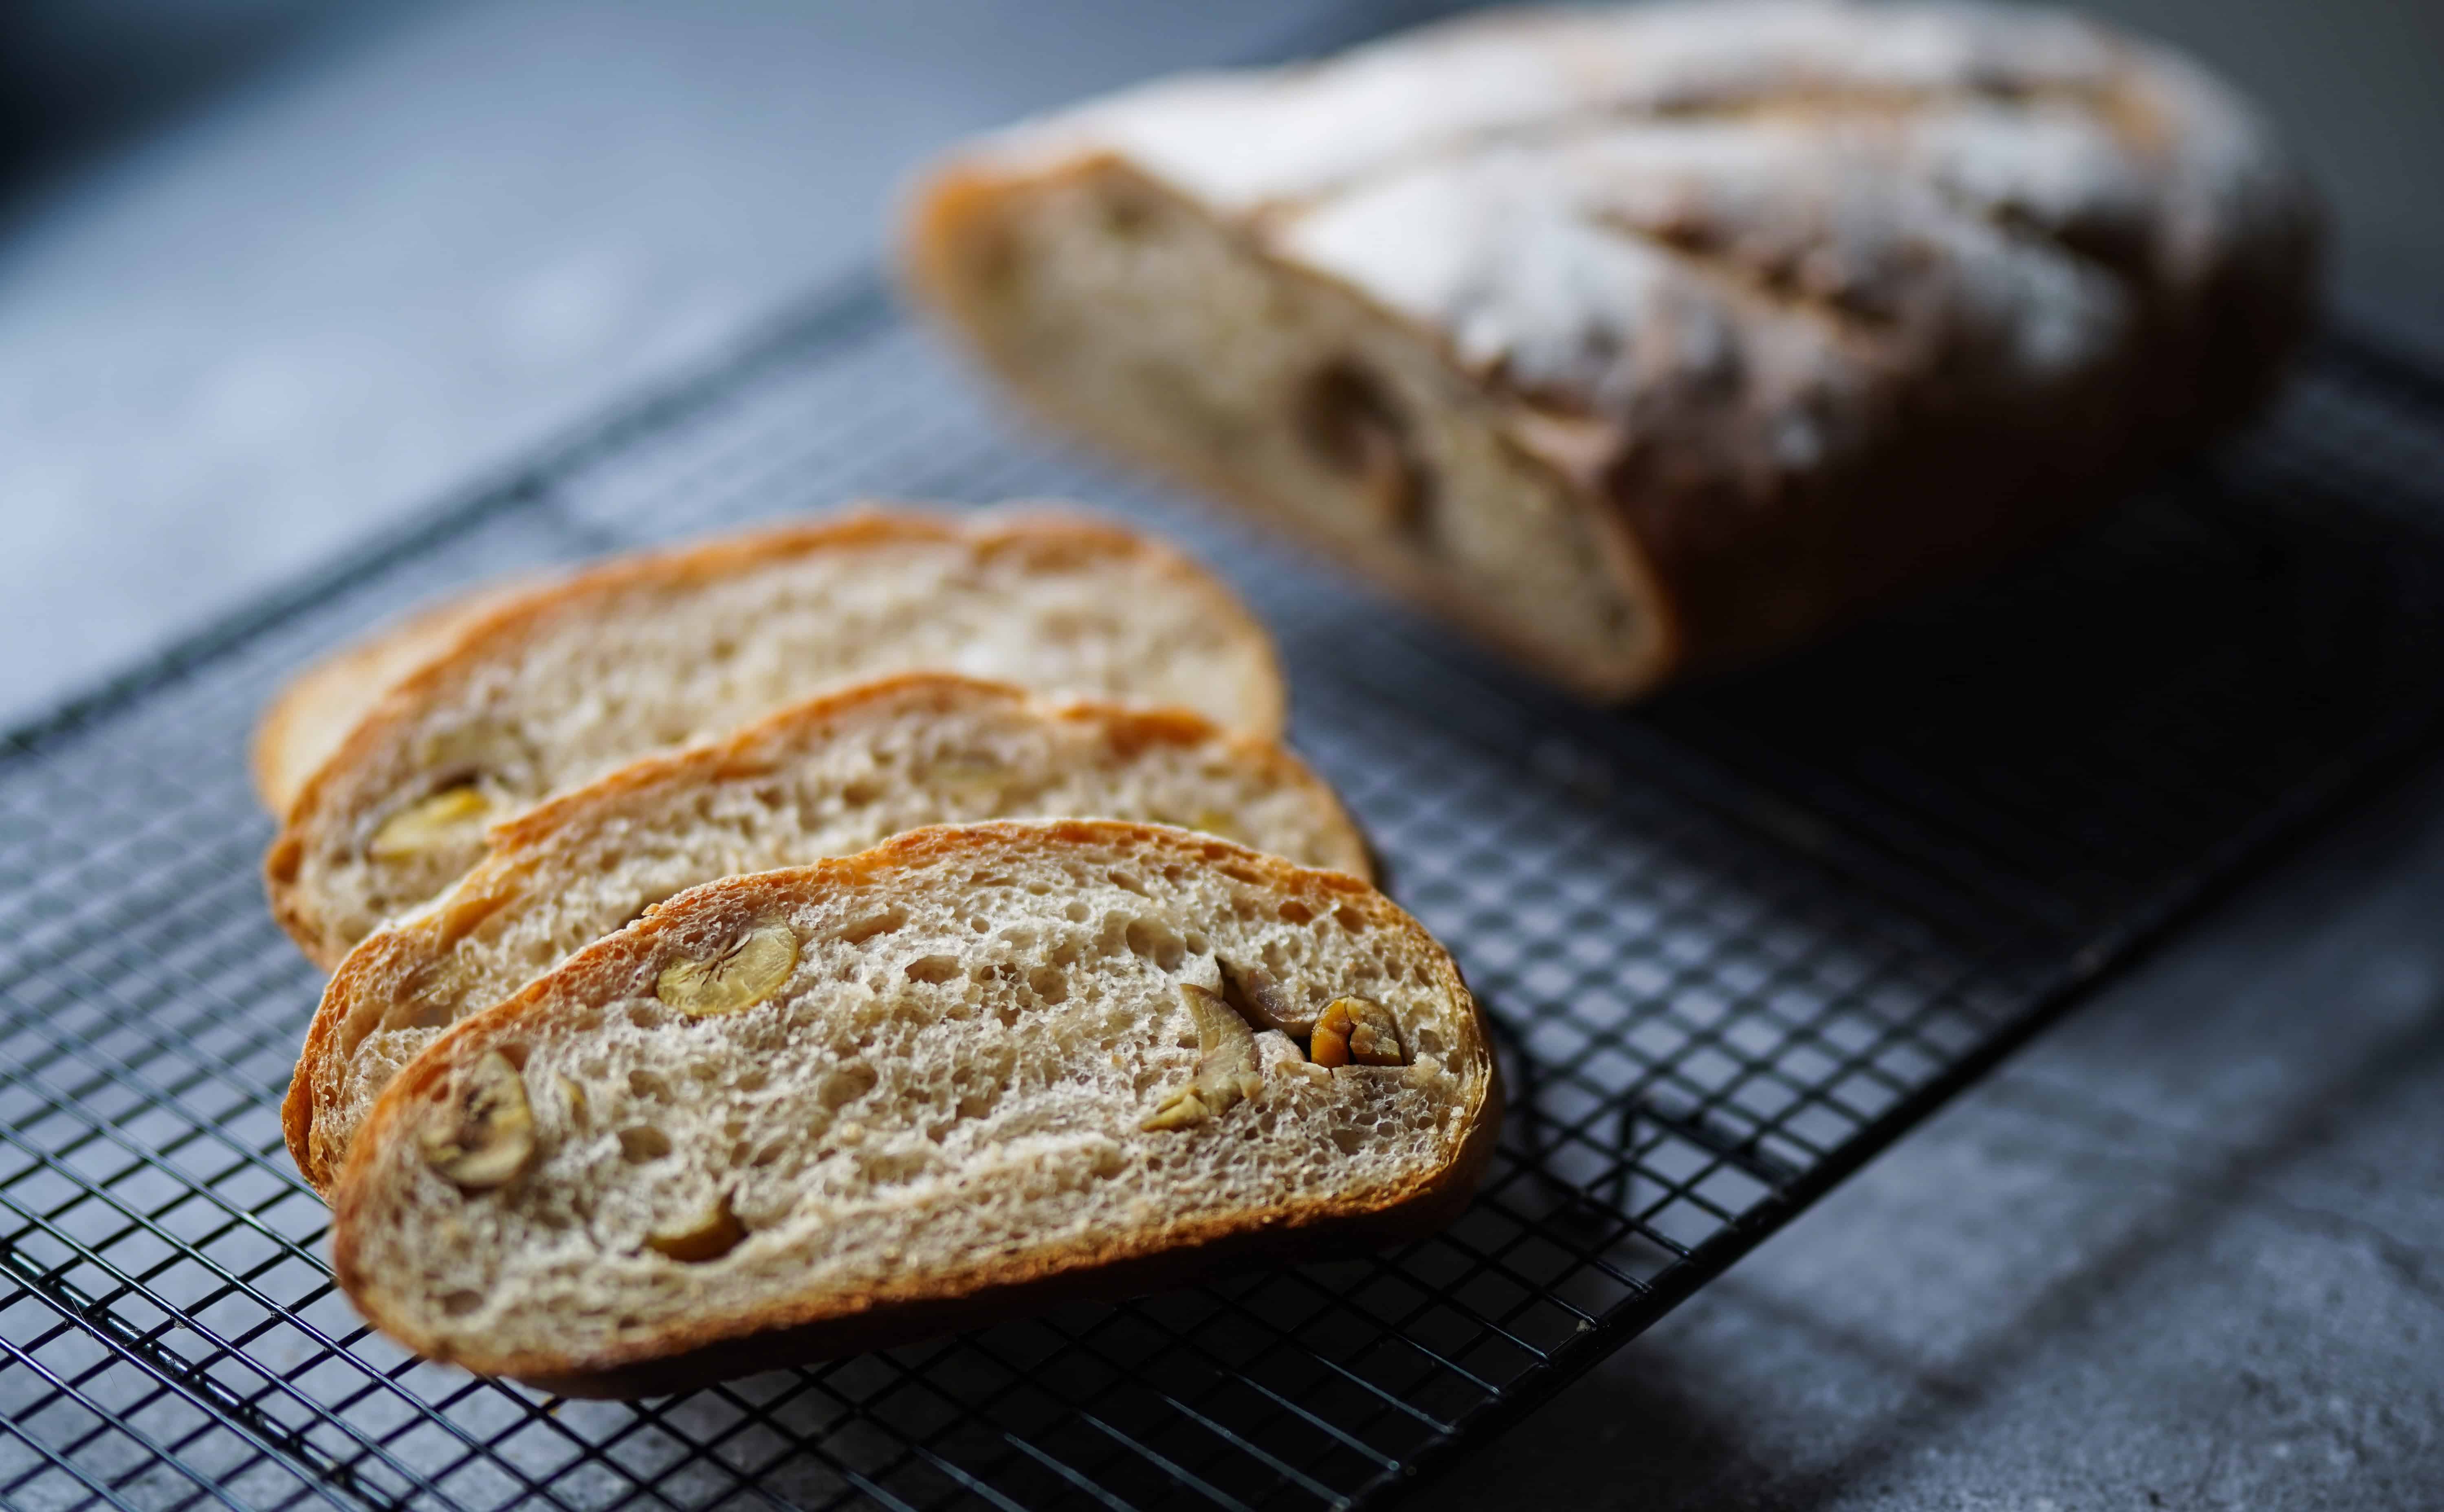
column 459, row 1304
column 1295, row 911
column 1351, row 425
column 1350, row 918
column 934, row 969
column 649, row 1086
column 1077, row 913
column 857, row 795
column 847, row 1084
column 1196, row 943
column 1126, row 213
column 859, row 930
column 1049, row 983
column 641, row 1144
column 641, row 1017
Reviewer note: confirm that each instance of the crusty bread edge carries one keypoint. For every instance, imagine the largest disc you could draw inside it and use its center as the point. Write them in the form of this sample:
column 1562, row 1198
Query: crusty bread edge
column 404, row 645
column 490, row 882
column 704, row 562
column 946, row 203
column 991, row 1290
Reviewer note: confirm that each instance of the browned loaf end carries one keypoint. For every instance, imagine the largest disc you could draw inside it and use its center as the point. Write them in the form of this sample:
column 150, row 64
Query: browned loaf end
column 559, row 684
column 950, row 1078
column 826, row 778
column 1646, row 339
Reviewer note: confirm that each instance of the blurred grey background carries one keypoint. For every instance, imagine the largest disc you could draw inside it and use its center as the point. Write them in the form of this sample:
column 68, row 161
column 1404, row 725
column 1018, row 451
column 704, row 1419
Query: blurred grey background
column 276, row 273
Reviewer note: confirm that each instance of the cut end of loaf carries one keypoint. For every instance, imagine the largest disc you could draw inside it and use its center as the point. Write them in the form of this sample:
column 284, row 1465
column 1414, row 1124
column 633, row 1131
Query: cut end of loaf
column 829, row 777
column 1125, row 313
column 946, row 1073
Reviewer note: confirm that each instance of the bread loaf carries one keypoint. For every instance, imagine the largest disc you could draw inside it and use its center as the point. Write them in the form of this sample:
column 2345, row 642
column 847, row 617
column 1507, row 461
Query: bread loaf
column 1646, row 340
column 826, row 778
column 567, row 681
column 964, row 1073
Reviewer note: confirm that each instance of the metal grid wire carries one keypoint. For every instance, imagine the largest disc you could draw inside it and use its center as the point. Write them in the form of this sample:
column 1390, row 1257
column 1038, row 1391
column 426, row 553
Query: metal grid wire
column 1735, row 942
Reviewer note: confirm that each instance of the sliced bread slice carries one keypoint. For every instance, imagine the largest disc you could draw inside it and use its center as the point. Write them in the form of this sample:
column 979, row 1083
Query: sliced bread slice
column 565, row 682
column 826, row 778
column 970, row 1071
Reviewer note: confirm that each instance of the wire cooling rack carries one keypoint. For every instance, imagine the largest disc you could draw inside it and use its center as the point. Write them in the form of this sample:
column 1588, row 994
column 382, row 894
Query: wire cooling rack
column 1734, row 943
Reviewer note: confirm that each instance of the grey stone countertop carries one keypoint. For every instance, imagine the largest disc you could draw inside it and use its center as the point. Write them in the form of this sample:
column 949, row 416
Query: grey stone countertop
column 2187, row 1251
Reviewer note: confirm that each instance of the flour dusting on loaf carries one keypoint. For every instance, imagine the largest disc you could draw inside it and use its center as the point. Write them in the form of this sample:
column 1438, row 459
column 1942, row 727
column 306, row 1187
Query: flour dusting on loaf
column 944, row 1078
column 1646, row 338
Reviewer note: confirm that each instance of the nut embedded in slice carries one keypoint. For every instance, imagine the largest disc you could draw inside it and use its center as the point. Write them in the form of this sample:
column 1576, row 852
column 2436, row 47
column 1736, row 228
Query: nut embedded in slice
column 436, row 821
column 1351, row 425
column 491, row 1137
column 1215, row 822
column 1255, row 992
column 752, row 968
column 1227, row 1065
column 973, row 774
column 1357, row 1031
column 709, row 1237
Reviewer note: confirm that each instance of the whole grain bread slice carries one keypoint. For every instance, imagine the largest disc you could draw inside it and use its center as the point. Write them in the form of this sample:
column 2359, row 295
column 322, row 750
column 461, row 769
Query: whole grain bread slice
column 932, row 1084
column 567, row 681
column 826, row 778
